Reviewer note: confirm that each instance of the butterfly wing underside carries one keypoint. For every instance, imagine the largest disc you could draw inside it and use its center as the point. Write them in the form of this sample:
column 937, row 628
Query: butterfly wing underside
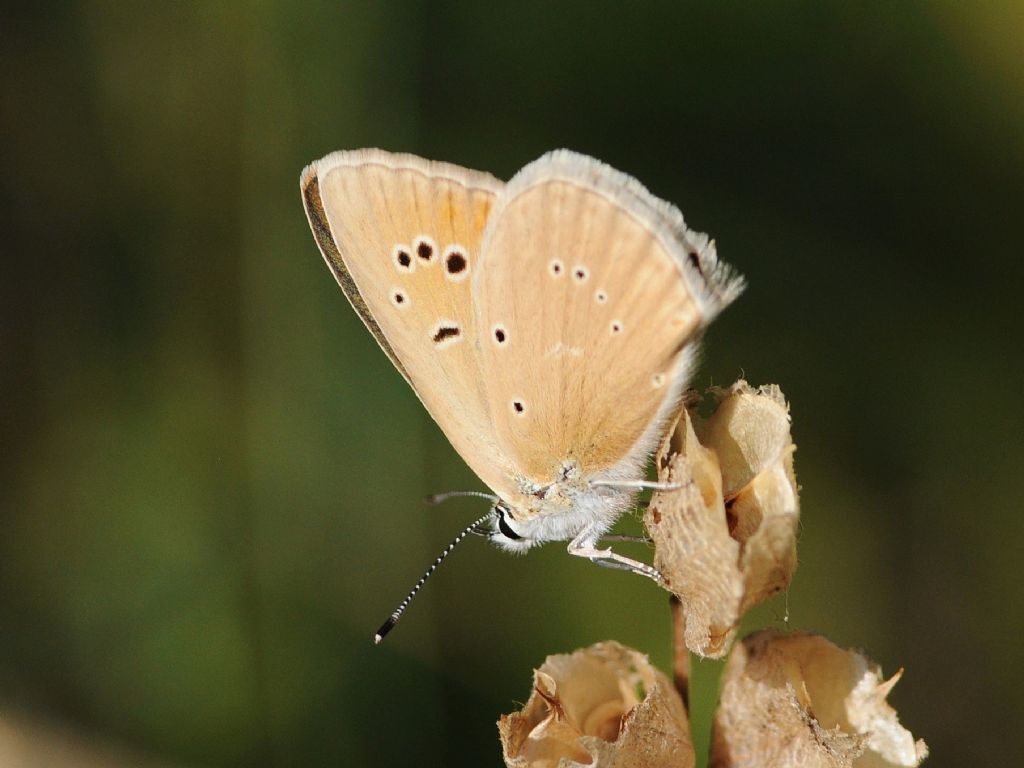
column 402, row 236
column 590, row 297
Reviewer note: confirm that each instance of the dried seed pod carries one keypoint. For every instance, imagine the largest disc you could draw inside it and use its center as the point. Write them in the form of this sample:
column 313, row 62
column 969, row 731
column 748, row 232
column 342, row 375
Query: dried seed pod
column 797, row 699
column 726, row 541
column 603, row 705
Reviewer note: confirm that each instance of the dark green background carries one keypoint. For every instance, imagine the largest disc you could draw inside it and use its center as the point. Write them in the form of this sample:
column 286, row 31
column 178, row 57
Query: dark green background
column 211, row 476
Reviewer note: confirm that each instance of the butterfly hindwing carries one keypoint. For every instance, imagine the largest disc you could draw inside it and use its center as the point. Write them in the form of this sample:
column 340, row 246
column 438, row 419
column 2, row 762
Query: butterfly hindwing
column 590, row 296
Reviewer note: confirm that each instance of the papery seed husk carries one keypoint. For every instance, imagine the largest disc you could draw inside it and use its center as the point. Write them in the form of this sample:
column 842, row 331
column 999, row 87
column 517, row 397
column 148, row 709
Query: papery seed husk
column 604, row 705
column 799, row 700
column 727, row 540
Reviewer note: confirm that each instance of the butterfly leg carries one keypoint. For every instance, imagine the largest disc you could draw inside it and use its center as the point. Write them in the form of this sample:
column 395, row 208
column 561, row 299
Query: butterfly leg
column 640, row 485
column 627, row 538
column 583, row 546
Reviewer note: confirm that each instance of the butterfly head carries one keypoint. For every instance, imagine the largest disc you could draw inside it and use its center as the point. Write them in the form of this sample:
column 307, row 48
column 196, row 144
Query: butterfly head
column 562, row 510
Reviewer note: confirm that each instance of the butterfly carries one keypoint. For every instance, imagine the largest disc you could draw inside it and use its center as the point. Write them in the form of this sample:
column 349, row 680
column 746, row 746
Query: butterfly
column 549, row 324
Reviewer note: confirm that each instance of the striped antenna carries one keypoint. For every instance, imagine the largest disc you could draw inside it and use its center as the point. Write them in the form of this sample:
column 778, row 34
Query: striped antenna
column 388, row 625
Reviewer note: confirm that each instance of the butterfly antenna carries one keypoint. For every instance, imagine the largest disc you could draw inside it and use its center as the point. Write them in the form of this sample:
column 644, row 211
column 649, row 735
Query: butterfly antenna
column 439, row 498
column 388, row 625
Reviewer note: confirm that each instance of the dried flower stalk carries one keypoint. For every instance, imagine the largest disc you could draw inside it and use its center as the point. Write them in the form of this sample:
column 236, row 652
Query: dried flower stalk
column 726, row 541
column 601, row 706
column 798, row 700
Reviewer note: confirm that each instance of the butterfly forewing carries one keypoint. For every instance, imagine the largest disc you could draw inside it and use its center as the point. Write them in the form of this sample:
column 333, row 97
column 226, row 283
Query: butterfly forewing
column 402, row 235
column 588, row 312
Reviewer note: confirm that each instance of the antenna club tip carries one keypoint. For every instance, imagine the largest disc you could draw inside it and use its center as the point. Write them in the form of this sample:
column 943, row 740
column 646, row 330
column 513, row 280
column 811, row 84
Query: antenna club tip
column 386, row 627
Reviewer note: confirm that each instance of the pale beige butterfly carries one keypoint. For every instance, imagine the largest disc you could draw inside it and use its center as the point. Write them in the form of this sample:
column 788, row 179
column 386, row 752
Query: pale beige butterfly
column 549, row 325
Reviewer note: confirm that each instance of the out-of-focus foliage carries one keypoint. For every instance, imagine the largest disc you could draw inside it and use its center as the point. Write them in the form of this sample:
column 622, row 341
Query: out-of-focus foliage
column 211, row 477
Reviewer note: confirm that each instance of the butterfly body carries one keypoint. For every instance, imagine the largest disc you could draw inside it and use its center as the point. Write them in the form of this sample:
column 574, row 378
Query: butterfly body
column 562, row 510
column 548, row 324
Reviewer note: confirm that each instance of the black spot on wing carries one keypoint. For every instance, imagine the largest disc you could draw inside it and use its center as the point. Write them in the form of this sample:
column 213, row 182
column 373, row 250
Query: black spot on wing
column 446, row 332
column 455, row 263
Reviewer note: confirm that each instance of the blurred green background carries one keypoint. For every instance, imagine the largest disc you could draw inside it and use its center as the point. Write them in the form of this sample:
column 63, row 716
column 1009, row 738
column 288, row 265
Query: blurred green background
column 212, row 477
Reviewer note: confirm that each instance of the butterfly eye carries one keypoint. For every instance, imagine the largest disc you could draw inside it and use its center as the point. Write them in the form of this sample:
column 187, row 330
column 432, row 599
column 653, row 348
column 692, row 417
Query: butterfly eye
column 519, row 407
column 555, row 267
column 658, row 380
column 581, row 274
column 601, row 297
column 616, row 327
column 505, row 528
